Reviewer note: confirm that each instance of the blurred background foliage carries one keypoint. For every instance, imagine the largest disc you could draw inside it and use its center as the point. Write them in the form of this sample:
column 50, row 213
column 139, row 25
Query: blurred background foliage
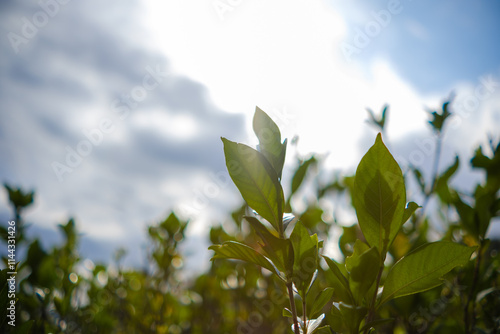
column 60, row 292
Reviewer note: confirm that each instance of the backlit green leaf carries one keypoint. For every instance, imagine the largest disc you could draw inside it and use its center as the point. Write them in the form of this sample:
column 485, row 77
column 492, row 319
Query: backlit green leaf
column 422, row 269
column 345, row 318
column 339, row 282
column 256, row 180
column 280, row 251
column 287, row 313
column 239, row 251
column 363, row 266
column 379, row 196
column 466, row 213
column 411, row 207
column 321, row 300
column 305, row 249
column 300, row 174
column 269, row 140
column 442, row 188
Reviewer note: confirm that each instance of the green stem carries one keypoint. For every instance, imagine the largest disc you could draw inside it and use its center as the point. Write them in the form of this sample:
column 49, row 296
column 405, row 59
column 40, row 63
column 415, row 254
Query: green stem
column 371, row 313
column 437, row 155
column 304, row 313
column 470, row 321
column 289, row 286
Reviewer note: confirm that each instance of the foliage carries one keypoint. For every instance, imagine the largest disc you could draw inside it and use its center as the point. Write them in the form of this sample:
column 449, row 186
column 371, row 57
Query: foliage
column 394, row 271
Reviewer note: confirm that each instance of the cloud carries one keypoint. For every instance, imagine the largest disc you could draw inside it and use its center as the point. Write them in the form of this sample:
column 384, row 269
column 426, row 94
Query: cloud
column 81, row 69
column 97, row 70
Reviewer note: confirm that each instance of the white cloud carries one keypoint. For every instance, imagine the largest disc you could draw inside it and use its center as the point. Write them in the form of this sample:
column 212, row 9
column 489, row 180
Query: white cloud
column 282, row 56
column 181, row 126
column 67, row 81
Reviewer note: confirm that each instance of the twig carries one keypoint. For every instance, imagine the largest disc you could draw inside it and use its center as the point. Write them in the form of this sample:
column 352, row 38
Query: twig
column 304, row 317
column 289, row 286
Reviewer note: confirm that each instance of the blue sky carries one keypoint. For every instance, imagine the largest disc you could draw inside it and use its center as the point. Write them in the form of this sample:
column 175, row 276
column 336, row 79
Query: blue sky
column 433, row 44
column 152, row 86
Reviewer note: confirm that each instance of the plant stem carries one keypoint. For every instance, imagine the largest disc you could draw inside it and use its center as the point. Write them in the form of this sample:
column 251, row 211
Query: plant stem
column 437, row 156
column 371, row 313
column 289, row 286
column 471, row 298
column 434, row 174
column 304, row 314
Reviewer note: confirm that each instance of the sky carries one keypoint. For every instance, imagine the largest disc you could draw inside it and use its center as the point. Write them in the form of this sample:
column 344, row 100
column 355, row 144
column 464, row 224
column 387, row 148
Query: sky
column 113, row 111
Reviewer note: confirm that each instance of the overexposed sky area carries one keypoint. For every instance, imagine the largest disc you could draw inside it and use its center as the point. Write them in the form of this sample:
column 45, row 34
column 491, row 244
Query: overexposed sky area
column 152, row 86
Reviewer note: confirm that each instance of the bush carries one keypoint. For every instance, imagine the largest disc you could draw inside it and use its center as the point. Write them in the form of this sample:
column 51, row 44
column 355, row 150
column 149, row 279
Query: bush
column 387, row 278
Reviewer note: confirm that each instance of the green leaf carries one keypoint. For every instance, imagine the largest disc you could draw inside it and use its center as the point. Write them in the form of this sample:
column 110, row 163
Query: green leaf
column 348, row 238
column 376, row 323
column 439, row 118
column 379, row 196
column 18, row 197
column 312, row 218
column 410, row 209
column 345, row 318
column 321, row 300
column 315, row 276
column 239, row 251
column 25, row 328
column 466, row 213
column 484, row 211
column 480, row 160
column 378, row 123
column 339, row 282
column 442, row 182
column 323, row 330
column 335, row 319
column 238, row 214
column 363, row 266
column 305, row 249
column 280, row 251
column 269, row 140
column 490, row 164
column 256, row 180
column 300, row 174
column 172, row 224
column 420, row 178
column 422, row 269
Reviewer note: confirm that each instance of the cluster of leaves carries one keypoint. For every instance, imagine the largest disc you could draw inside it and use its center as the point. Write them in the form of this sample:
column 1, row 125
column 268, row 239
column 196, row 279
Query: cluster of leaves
column 59, row 292
column 387, row 278
column 364, row 284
